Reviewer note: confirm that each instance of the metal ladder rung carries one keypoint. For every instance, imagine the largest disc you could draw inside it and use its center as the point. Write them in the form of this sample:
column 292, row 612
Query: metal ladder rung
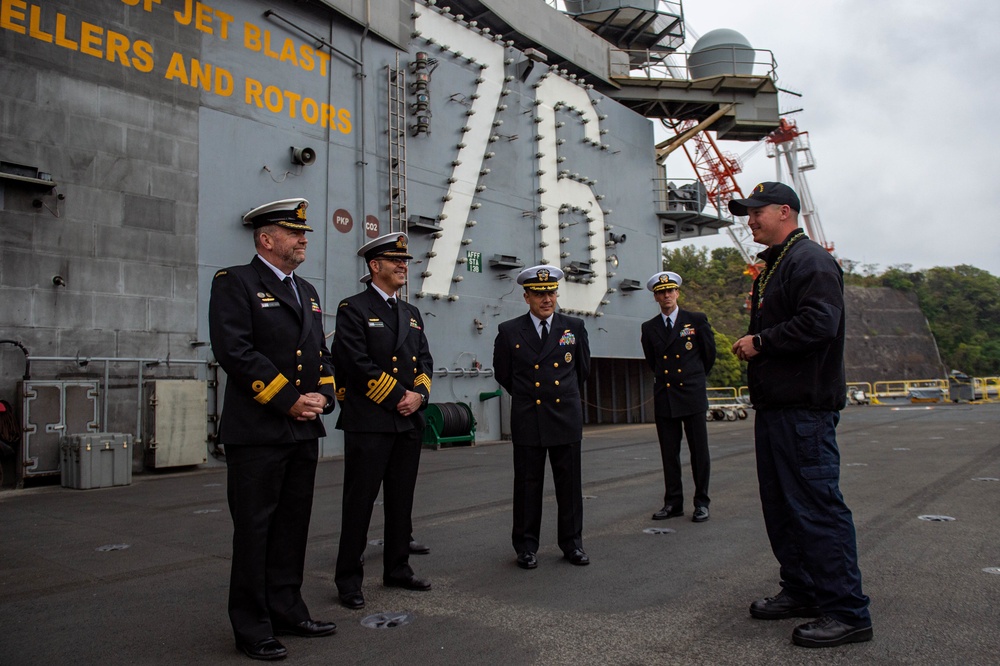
column 396, row 94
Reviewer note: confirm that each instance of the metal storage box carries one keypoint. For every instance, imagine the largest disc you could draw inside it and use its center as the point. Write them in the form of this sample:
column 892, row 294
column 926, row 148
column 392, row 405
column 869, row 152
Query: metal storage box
column 96, row 460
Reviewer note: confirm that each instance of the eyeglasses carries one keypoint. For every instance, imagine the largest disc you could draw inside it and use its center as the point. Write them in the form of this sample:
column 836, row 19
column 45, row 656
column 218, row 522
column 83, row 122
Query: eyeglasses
column 395, row 260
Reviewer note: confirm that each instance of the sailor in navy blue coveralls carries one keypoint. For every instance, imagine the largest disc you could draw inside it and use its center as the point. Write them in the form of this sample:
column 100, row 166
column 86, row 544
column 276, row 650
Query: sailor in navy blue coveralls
column 795, row 350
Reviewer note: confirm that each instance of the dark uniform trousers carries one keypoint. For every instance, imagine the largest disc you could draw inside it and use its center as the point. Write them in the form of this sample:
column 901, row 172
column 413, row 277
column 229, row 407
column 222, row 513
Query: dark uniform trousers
column 269, row 534
column 272, row 350
column 371, row 460
column 668, row 432
column 808, row 523
column 545, row 382
column 529, row 481
column 379, row 353
column 680, row 361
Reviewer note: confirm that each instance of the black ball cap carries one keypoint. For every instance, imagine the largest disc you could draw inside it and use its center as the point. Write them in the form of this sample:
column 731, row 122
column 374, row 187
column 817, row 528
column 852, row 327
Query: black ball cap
column 765, row 194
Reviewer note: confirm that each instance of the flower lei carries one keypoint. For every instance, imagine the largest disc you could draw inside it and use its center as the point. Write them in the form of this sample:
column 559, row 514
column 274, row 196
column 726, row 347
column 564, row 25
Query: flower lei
column 774, row 266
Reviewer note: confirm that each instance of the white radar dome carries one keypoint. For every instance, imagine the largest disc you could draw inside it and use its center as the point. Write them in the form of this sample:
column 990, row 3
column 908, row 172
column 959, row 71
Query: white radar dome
column 721, row 52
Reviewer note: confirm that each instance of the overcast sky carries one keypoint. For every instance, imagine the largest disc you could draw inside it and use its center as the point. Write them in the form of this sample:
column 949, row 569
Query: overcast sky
column 901, row 100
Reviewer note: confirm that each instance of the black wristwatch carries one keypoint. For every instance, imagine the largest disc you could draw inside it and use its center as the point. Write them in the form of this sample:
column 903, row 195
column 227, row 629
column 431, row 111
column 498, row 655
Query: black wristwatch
column 756, row 342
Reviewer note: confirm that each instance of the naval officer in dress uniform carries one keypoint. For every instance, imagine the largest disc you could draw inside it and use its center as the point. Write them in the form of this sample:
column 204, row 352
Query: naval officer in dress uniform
column 542, row 359
column 266, row 328
column 679, row 347
column 384, row 371
column 416, row 547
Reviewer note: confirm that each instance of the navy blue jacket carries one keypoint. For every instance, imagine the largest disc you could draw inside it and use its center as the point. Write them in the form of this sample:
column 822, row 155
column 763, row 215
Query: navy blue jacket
column 545, row 383
column 379, row 355
column 801, row 324
column 680, row 363
column 272, row 352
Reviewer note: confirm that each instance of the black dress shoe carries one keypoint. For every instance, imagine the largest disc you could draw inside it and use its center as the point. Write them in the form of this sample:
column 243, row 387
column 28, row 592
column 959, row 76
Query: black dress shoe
column 781, row 607
column 578, row 557
column 668, row 512
column 266, row 649
column 828, row 632
column 700, row 514
column 527, row 560
column 411, row 583
column 306, row 628
column 418, row 548
column 353, row 600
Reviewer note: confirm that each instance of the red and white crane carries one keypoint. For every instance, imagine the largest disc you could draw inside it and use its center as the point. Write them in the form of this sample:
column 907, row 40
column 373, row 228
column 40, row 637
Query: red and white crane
column 717, row 171
column 792, row 145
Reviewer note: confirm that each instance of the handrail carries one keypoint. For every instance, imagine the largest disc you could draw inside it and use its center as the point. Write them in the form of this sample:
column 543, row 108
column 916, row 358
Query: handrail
column 986, row 388
column 141, row 363
column 464, row 372
column 722, row 395
column 661, row 65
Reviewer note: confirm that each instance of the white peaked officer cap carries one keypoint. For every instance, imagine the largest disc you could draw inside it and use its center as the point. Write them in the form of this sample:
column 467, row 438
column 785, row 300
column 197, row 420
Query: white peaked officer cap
column 664, row 280
column 287, row 213
column 390, row 245
column 540, row 278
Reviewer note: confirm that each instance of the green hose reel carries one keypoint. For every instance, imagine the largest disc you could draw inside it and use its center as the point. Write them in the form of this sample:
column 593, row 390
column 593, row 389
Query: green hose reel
column 449, row 423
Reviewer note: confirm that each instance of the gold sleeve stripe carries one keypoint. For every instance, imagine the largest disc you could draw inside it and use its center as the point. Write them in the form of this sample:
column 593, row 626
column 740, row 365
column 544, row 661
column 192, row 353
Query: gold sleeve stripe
column 379, row 389
column 385, row 388
column 326, row 380
column 422, row 380
column 271, row 390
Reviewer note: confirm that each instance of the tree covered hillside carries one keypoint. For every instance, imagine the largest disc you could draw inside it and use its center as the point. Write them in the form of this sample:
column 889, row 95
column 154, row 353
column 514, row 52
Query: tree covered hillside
column 962, row 306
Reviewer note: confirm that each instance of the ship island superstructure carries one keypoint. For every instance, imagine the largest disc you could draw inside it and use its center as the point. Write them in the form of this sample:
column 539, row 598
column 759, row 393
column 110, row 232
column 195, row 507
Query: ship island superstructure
column 497, row 134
